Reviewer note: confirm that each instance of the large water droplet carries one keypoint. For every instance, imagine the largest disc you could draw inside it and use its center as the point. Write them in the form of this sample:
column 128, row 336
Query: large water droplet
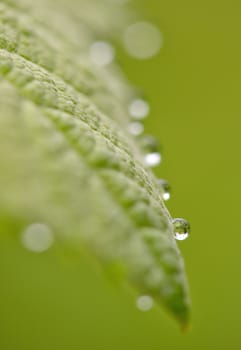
column 165, row 188
column 101, row 53
column 139, row 109
column 144, row 303
column 37, row 237
column 142, row 40
column 181, row 228
column 135, row 128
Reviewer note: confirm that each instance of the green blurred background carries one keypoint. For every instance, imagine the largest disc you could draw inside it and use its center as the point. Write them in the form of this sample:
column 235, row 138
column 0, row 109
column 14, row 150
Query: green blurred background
column 194, row 88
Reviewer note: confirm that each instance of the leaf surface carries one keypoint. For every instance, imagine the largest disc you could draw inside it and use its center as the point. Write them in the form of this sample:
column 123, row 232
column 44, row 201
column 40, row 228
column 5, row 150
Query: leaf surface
column 67, row 159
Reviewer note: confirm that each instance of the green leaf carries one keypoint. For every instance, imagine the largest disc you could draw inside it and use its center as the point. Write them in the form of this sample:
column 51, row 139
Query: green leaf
column 67, row 159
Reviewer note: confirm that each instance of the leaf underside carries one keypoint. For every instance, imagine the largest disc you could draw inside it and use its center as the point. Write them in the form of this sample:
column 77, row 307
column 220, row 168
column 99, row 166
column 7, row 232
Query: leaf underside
column 66, row 157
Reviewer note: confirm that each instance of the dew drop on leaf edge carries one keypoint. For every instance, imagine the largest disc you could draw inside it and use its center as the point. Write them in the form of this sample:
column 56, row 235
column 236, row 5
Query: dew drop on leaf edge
column 152, row 159
column 181, row 229
column 135, row 128
column 139, row 109
column 101, row 53
column 165, row 189
column 149, row 144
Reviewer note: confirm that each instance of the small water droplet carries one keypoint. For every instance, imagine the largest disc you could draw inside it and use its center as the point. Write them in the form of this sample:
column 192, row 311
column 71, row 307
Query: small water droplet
column 37, row 237
column 144, row 303
column 135, row 128
column 165, row 188
column 149, row 144
column 142, row 40
column 152, row 159
column 101, row 53
column 181, row 228
column 139, row 109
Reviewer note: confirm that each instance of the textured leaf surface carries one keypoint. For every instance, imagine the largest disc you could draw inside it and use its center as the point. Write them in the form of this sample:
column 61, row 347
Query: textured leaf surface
column 66, row 157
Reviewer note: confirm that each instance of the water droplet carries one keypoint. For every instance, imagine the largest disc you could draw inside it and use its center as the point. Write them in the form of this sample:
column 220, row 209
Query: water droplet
column 139, row 109
column 101, row 53
column 181, row 228
column 152, row 159
column 144, row 303
column 165, row 188
column 142, row 40
column 149, row 144
column 37, row 237
column 135, row 128
column 151, row 147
